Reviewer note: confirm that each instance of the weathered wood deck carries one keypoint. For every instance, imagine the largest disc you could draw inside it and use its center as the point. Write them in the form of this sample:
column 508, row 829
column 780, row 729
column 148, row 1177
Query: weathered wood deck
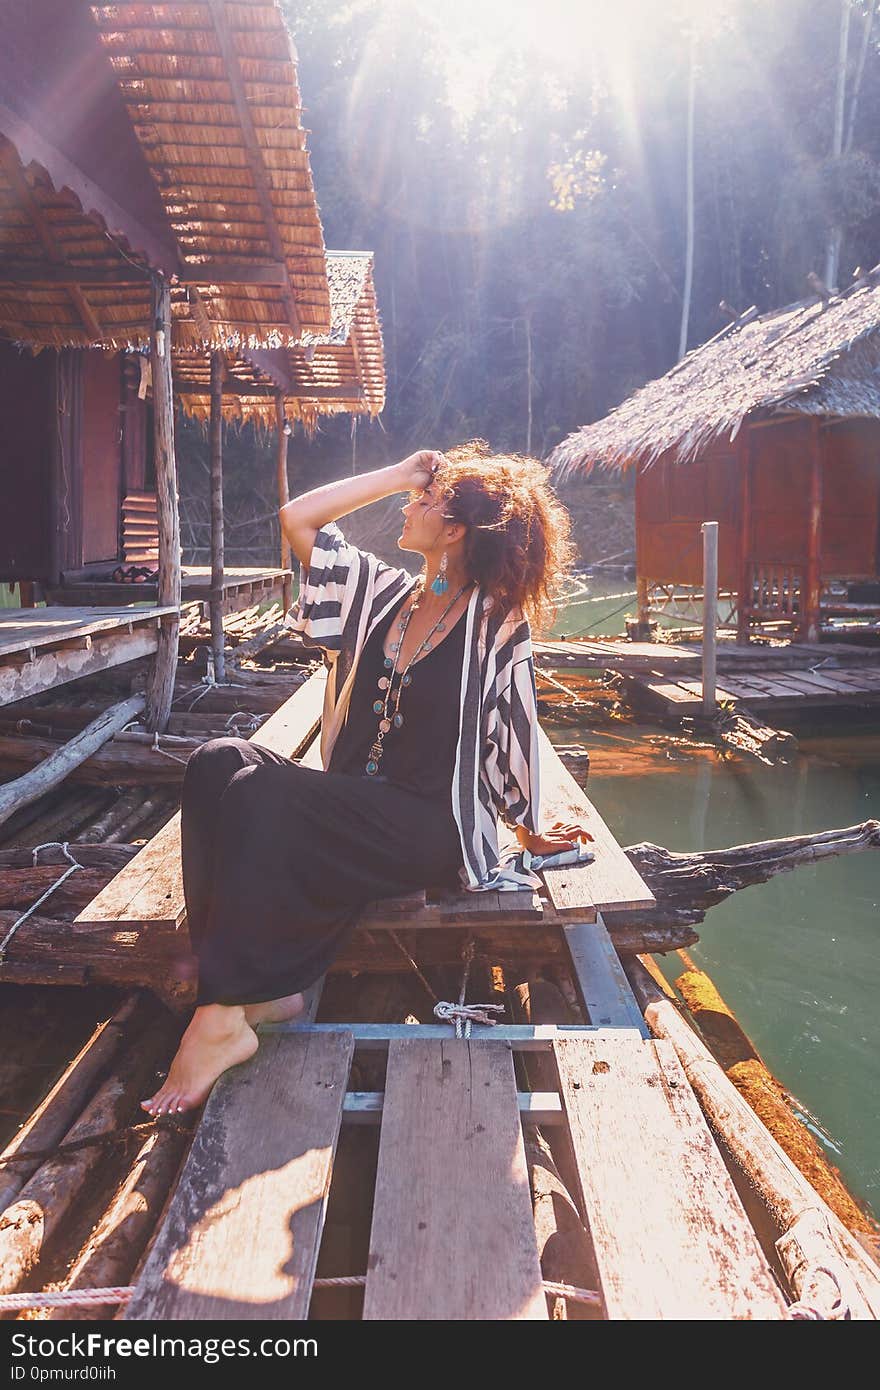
column 795, row 676
column 242, row 586
column 41, row 648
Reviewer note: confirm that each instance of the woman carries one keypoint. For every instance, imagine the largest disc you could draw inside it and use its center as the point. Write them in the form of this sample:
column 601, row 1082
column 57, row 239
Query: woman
column 429, row 735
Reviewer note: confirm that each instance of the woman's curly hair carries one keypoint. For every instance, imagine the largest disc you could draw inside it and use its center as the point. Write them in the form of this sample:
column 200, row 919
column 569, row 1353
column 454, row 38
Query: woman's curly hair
column 518, row 543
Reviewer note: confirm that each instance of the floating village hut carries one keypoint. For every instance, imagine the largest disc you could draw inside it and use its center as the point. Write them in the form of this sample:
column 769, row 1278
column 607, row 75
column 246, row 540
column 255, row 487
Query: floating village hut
column 155, row 192
column 772, row 429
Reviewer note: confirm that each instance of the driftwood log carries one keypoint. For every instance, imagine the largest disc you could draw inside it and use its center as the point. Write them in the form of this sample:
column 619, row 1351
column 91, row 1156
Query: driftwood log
column 59, row 763
column 686, row 885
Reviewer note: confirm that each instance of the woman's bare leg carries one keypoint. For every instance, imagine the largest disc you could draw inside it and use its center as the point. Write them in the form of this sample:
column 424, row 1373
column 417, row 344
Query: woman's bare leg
column 218, row 1037
column 275, row 1010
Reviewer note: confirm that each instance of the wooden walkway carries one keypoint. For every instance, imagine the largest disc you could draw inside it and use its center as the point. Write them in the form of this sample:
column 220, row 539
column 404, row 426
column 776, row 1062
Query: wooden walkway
column 452, row 1231
column 242, row 587
column 796, row 676
column 41, row 648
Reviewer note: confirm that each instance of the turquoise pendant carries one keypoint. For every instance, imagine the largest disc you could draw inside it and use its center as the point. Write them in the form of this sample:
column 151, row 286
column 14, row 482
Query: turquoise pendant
column 407, row 680
column 398, row 721
column 388, row 663
column 372, row 768
column 439, row 584
column 378, row 706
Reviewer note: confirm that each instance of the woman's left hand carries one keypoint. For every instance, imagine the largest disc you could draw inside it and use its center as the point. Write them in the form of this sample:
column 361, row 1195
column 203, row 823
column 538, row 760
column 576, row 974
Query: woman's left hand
column 558, row 837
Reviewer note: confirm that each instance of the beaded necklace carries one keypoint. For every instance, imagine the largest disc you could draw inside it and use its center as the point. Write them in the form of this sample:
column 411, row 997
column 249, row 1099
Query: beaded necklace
column 392, row 718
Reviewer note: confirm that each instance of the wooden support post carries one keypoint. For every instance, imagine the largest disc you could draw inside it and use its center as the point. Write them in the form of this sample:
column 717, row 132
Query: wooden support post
column 811, row 618
column 283, row 494
column 744, row 584
column 710, row 614
column 216, row 600
column 161, row 685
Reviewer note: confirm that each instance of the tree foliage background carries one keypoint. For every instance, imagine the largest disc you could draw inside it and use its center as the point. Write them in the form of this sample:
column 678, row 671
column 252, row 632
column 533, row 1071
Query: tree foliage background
column 526, row 203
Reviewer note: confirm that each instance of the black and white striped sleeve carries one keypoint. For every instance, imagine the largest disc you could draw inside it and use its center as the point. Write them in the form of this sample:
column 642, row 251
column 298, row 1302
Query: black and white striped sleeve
column 325, row 589
column 521, row 755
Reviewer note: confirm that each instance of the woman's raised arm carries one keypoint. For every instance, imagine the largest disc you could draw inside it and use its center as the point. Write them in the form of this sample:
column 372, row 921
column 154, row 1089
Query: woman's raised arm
column 303, row 517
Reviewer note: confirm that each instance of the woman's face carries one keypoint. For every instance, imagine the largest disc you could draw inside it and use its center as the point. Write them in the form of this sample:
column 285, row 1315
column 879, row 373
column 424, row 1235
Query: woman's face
column 423, row 521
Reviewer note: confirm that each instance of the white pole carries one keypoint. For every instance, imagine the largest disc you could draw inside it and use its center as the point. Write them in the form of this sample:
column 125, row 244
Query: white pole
column 710, row 613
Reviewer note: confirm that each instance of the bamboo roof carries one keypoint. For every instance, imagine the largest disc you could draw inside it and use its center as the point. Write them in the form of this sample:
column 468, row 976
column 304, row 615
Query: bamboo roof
column 342, row 371
column 215, row 188
column 815, row 357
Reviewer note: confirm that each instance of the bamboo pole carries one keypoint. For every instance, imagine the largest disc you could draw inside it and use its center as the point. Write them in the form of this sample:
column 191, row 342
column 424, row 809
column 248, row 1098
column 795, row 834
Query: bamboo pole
column 809, row 1232
column 216, row 451
column 53, row 769
column 58, row 1110
column 161, row 684
column 283, row 494
column 57, row 1186
column 710, row 615
column 112, row 1252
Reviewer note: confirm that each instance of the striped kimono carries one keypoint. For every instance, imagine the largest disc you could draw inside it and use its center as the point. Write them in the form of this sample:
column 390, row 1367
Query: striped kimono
column 343, row 595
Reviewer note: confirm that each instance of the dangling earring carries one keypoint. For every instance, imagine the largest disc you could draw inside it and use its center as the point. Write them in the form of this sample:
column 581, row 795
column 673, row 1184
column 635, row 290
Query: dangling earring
column 440, row 583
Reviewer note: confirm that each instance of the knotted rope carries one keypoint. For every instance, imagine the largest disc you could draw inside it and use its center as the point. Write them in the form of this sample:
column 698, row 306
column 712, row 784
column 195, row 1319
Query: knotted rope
column 462, row 1014
column 808, row 1310
column 74, row 865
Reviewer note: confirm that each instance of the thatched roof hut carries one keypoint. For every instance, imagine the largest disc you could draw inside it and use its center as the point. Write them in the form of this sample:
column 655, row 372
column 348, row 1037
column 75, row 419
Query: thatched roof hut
column 772, row 429
column 164, row 137
column 813, row 358
column 342, row 371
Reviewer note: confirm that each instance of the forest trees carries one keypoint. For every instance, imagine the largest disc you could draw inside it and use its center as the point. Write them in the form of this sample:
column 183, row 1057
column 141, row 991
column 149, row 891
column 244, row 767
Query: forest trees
column 524, row 191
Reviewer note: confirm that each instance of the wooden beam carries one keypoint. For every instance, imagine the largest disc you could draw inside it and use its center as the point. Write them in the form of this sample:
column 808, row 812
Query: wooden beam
column 161, row 684
column 256, row 165
column 15, row 174
column 218, row 647
column 744, row 582
column 30, row 146
column 283, row 440
column 56, row 667
column 811, row 587
column 273, row 363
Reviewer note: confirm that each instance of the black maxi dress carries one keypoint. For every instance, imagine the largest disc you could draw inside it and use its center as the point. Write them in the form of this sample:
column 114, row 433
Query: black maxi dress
column 279, row 860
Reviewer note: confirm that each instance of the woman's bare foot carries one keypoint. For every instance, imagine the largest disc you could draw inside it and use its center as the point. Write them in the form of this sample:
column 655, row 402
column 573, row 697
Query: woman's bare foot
column 275, row 1010
column 217, row 1038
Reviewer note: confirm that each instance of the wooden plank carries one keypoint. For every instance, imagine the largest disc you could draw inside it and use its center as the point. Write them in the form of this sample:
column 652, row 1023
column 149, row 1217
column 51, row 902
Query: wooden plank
column 242, row 1232
column 606, row 992
column 611, row 881
column 672, row 1239
column 150, row 887
column 25, row 628
column 53, row 668
column 453, row 1238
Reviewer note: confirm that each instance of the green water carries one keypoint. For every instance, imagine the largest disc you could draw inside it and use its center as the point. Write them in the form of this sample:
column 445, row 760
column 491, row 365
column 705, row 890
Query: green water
column 797, row 958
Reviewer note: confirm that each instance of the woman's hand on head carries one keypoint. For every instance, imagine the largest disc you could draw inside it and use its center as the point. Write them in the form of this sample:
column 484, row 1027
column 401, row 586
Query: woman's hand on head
column 559, row 836
column 418, row 469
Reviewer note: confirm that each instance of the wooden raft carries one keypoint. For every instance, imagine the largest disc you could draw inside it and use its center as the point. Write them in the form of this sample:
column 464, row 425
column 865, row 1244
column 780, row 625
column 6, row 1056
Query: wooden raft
column 452, row 1233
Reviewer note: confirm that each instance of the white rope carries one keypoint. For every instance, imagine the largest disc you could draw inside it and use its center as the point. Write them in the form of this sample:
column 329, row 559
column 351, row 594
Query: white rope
column 19, row 1302
column 807, row 1308
column 242, row 719
column 465, row 1014
column 462, row 1013
column 164, row 751
column 74, row 865
column 122, row 1293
